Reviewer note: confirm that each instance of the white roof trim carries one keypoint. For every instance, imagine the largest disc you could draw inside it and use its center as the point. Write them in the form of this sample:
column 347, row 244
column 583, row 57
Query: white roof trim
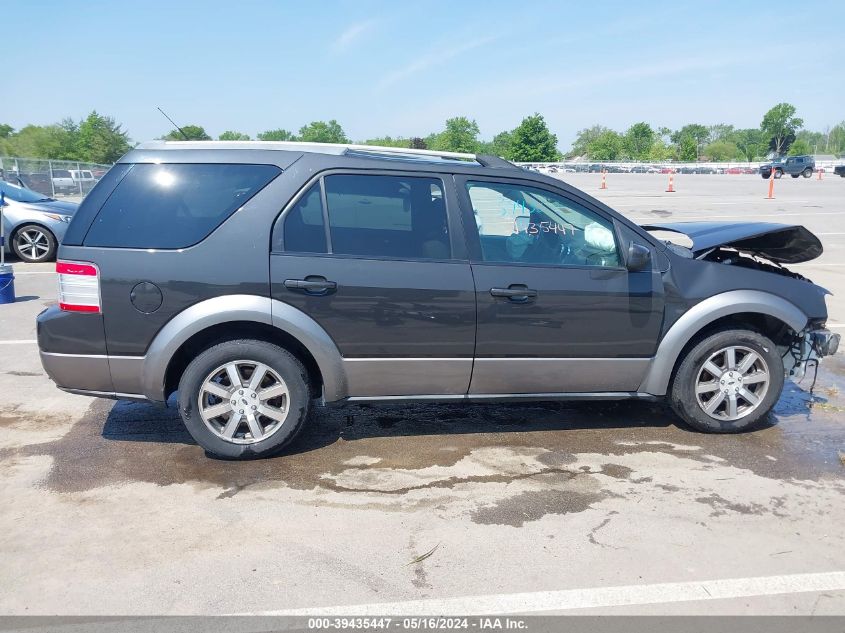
column 296, row 146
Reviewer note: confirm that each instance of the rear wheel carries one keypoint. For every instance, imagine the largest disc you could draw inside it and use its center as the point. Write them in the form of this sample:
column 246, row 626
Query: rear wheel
column 244, row 399
column 778, row 173
column 34, row 243
column 728, row 382
column 807, row 172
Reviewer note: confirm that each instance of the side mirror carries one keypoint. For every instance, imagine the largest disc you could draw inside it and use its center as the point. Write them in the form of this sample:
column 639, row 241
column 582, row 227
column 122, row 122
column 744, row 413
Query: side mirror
column 639, row 257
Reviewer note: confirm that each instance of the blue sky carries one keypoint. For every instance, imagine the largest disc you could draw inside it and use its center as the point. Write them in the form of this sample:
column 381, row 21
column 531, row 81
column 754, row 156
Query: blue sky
column 402, row 68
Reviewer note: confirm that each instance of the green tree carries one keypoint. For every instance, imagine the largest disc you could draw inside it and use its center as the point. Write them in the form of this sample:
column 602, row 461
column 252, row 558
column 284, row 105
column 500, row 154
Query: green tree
column 532, row 141
column 688, row 148
column 417, row 142
column 750, row 143
column 817, row 141
column 779, row 126
column 322, row 132
column 659, row 151
column 6, row 130
column 800, row 147
column 501, row 145
column 100, row 139
column 229, row 135
column 388, row 141
column 836, row 139
column 460, row 135
column 721, row 151
column 276, row 135
column 584, row 138
column 606, row 146
column 639, row 140
column 720, row 132
column 41, row 141
column 193, row 133
column 697, row 132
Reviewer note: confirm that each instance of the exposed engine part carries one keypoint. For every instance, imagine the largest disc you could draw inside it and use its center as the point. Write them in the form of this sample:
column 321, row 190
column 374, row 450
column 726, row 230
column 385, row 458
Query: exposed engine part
column 736, row 258
column 805, row 349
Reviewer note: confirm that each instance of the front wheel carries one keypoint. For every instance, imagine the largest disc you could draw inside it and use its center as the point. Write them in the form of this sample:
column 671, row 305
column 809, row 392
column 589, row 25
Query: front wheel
column 728, row 382
column 33, row 243
column 244, row 399
column 778, row 173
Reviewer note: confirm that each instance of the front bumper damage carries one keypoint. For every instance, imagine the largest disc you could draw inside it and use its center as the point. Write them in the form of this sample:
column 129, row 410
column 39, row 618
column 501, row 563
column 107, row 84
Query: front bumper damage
column 807, row 348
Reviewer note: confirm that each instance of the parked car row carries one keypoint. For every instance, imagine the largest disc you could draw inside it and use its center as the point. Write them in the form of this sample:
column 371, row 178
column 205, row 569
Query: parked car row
column 58, row 181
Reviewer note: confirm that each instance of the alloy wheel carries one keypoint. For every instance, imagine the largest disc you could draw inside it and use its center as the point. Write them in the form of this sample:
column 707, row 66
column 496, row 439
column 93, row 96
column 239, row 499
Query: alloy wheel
column 33, row 243
column 244, row 401
column 732, row 383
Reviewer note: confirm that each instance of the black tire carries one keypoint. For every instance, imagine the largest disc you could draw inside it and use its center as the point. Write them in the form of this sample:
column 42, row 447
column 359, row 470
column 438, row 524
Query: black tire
column 795, row 175
column 765, row 176
column 685, row 401
column 778, row 173
column 25, row 252
column 280, row 361
column 807, row 172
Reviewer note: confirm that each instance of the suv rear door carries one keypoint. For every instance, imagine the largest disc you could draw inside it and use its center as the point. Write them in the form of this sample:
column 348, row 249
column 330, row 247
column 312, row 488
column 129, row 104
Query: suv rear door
column 378, row 259
column 558, row 312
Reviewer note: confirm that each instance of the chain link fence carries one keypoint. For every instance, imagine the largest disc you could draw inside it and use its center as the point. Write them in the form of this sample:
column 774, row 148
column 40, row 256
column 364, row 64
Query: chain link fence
column 54, row 178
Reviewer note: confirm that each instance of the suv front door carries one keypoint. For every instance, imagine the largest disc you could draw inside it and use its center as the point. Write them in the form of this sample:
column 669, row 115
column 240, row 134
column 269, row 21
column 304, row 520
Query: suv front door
column 558, row 312
column 379, row 261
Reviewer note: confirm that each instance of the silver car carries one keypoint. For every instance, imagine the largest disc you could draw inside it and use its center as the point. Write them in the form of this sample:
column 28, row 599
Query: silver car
column 33, row 223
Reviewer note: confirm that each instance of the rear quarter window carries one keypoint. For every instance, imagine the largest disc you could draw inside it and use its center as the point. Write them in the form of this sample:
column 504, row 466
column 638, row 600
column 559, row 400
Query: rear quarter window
column 174, row 205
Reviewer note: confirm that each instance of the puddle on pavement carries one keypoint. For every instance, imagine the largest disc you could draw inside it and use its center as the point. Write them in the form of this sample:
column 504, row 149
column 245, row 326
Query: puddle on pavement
column 390, row 449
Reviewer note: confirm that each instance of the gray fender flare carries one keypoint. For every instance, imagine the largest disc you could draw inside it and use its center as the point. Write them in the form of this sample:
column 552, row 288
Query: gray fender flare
column 230, row 308
column 656, row 381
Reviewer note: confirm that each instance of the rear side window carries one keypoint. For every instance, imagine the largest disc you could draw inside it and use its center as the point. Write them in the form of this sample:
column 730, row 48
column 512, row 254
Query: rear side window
column 174, row 205
column 304, row 229
column 387, row 216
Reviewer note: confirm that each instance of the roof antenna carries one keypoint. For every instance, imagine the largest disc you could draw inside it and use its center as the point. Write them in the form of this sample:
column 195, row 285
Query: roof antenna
column 181, row 131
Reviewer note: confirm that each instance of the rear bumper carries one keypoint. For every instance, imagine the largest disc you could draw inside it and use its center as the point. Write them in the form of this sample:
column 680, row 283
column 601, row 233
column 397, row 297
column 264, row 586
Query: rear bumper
column 96, row 374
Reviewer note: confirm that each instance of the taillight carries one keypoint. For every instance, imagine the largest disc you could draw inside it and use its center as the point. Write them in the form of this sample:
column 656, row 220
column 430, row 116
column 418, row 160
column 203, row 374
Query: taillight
column 79, row 286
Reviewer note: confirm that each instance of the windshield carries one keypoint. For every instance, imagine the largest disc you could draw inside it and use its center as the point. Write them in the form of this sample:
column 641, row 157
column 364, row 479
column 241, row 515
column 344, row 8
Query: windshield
column 20, row 194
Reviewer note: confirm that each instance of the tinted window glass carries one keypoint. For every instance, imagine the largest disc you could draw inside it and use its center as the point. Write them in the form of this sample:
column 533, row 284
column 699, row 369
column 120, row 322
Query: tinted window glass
column 304, row 229
column 387, row 216
column 174, row 205
column 518, row 224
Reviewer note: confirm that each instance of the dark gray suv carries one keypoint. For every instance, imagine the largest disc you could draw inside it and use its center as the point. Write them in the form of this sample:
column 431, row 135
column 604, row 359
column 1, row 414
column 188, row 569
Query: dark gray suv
column 257, row 278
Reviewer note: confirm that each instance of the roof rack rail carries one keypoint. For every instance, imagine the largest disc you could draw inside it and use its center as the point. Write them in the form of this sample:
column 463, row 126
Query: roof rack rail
column 484, row 160
column 489, row 160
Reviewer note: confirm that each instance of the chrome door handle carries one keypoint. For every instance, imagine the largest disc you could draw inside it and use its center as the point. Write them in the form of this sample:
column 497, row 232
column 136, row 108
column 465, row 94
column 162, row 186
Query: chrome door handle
column 311, row 285
column 517, row 293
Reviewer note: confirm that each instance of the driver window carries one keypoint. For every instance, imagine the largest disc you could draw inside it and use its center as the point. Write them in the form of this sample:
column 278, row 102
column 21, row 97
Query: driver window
column 518, row 224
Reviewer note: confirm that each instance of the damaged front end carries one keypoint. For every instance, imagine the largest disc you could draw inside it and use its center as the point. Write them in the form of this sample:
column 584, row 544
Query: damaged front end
column 806, row 348
column 763, row 247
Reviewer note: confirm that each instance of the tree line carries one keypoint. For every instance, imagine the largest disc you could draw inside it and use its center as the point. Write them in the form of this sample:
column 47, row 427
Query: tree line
column 780, row 133
column 99, row 139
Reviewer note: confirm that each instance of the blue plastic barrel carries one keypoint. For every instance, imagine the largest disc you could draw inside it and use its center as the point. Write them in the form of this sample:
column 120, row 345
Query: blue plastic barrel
column 7, row 284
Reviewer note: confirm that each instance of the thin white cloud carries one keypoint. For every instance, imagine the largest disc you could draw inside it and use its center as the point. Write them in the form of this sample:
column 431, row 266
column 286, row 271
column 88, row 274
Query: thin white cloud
column 353, row 33
column 429, row 60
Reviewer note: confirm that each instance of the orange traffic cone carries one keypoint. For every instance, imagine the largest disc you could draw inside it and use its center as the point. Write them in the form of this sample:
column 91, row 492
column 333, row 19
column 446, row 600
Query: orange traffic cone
column 603, row 179
column 771, row 195
column 671, row 188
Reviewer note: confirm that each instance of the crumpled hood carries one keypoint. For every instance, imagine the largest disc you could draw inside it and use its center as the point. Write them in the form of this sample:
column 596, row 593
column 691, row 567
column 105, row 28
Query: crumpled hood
column 781, row 243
